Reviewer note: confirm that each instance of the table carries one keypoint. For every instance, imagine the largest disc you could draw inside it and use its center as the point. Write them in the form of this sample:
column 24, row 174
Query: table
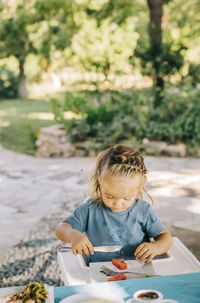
column 184, row 288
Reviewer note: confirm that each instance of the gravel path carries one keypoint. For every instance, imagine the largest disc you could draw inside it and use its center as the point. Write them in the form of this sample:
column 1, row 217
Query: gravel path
column 35, row 257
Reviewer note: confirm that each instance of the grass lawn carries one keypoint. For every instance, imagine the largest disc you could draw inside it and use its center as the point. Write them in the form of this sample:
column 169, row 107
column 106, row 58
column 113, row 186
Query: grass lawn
column 20, row 121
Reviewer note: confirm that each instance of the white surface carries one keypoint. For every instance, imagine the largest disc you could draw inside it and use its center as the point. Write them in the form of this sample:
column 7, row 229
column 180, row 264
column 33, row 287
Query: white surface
column 80, row 298
column 71, row 271
column 168, row 301
column 6, row 291
column 97, row 276
column 180, row 261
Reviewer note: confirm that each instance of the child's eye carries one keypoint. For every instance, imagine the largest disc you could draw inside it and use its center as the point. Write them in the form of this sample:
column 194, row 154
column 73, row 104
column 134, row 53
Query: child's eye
column 127, row 199
column 109, row 197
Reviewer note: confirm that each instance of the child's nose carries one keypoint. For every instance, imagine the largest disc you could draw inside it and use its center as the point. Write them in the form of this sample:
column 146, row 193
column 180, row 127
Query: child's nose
column 118, row 201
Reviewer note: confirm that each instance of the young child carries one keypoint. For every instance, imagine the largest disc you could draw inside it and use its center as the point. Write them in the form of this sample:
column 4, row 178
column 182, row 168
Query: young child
column 115, row 213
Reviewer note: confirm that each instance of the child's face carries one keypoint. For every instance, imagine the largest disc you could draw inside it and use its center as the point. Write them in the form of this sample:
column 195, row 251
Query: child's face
column 119, row 192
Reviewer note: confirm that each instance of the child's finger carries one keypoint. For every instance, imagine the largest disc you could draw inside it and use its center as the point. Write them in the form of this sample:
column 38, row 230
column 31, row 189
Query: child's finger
column 74, row 251
column 77, row 249
column 86, row 250
column 144, row 255
column 140, row 252
column 138, row 249
column 150, row 258
column 90, row 247
column 80, row 250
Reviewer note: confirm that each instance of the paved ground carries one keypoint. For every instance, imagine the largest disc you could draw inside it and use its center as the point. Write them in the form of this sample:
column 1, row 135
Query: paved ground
column 37, row 193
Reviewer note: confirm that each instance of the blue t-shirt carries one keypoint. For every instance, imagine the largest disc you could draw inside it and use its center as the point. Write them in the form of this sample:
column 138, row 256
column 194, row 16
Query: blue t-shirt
column 128, row 228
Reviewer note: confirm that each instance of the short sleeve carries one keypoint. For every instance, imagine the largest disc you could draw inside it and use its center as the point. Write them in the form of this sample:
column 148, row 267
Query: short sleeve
column 153, row 225
column 78, row 220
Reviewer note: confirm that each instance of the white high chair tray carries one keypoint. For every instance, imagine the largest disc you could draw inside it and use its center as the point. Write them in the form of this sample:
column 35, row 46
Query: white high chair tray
column 179, row 261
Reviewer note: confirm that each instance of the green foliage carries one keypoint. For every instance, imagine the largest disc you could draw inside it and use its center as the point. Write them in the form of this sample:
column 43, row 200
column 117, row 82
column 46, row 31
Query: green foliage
column 12, row 25
column 117, row 11
column 106, row 118
column 35, row 27
column 177, row 119
column 170, row 61
column 56, row 25
column 193, row 74
column 113, row 117
column 8, row 83
column 104, row 48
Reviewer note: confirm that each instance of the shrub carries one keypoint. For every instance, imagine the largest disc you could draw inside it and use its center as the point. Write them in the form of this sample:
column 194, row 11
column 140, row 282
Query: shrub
column 177, row 119
column 107, row 118
column 8, row 83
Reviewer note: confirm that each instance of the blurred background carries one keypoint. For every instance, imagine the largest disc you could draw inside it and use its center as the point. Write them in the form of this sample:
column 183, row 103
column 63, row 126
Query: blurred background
column 109, row 71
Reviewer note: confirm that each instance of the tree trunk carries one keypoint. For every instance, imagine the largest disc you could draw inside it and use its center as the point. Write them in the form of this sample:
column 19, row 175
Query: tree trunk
column 156, row 12
column 22, row 92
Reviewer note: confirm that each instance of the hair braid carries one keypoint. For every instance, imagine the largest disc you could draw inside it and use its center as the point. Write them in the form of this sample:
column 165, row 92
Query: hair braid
column 119, row 160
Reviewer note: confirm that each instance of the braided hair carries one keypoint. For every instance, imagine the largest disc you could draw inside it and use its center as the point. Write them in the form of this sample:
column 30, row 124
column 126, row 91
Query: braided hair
column 119, row 160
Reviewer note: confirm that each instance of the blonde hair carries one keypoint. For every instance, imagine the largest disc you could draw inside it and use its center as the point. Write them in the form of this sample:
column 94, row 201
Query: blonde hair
column 119, row 160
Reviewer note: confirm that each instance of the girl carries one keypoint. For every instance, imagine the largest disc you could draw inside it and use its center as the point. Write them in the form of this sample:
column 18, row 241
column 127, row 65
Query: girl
column 115, row 213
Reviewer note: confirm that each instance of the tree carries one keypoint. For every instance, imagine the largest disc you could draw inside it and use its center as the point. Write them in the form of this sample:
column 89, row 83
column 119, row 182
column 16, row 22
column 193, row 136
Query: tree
column 156, row 13
column 59, row 21
column 15, row 38
column 101, row 48
column 157, row 58
column 36, row 26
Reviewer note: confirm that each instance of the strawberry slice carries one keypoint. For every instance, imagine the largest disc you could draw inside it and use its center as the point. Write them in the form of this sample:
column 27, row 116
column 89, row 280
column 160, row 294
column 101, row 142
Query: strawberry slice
column 119, row 263
column 117, row 277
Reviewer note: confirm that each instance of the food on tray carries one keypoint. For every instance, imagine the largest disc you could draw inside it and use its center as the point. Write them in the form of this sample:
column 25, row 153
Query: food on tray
column 119, row 263
column 34, row 292
column 117, row 277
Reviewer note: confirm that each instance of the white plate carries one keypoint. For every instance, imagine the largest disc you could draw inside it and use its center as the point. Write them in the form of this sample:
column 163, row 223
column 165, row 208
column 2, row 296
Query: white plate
column 84, row 297
column 6, row 291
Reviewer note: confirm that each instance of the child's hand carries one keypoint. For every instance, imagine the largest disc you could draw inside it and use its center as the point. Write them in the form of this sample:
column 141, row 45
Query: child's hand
column 80, row 243
column 146, row 251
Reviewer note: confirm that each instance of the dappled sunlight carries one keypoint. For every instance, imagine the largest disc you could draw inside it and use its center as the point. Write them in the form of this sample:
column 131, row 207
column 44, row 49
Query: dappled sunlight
column 41, row 116
column 34, row 115
column 170, row 184
column 194, row 206
column 162, row 191
column 3, row 113
column 179, row 178
column 50, row 116
column 38, row 116
column 188, row 179
column 4, row 123
column 70, row 115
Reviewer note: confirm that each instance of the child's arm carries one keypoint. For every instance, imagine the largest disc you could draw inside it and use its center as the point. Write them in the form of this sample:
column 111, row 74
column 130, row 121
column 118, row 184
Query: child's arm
column 80, row 242
column 148, row 250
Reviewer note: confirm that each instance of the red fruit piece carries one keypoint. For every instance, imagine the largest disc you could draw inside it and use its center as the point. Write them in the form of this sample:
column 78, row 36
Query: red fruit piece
column 117, row 277
column 119, row 263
